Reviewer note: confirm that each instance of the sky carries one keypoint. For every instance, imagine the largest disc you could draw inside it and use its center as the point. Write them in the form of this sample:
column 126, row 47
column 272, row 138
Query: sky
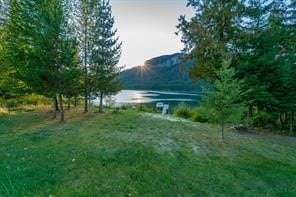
column 147, row 28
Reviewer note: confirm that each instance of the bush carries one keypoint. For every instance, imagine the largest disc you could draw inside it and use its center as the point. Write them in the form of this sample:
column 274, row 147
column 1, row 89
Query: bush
column 198, row 117
column 203, row 114
column 35, row 100
column 183, row 111
column 262, row 118
column 144, row 108
column 12, row 103
column 25, row 101
column 125, row 107
column 206, row 115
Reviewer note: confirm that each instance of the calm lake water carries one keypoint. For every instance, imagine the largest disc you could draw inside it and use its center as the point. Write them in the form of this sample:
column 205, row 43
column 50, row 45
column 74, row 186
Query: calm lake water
column 139, row 96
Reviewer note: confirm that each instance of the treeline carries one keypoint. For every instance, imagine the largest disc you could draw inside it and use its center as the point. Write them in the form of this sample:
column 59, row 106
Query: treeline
column 59, row 49
column 256, row 40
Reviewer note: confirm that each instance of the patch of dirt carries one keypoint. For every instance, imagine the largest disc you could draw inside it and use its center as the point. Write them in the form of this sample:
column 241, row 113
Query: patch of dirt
column 195, row 148
column 165, row 117
column 167, row 145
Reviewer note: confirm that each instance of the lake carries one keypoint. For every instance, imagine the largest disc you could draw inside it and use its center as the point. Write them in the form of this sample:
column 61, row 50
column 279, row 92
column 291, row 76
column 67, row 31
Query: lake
column 145, row 97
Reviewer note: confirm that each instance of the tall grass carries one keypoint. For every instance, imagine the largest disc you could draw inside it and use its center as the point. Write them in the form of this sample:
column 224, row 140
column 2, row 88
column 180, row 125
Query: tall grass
column 26, row 102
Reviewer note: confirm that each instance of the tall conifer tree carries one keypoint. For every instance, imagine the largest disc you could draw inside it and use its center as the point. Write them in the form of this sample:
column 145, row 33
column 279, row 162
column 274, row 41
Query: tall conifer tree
column 210, row 34
column 225, row 98
column 83, row 14
column 40, row 47
column 105, row 53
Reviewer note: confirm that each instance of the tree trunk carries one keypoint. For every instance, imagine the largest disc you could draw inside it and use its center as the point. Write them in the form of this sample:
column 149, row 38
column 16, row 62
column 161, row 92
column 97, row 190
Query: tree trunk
column 56, row 103
column 86, row 86
column 250, row 113
column 69, row 103
column 75, row 101
column 286, row 118
column 54, row 107
column 222, row 128
column 282, row 121
column 101, row 102
column 85, row 66
column 85, row 103
column 293, row 115
column 61, row 108
column 291, row 122
column 89, row 102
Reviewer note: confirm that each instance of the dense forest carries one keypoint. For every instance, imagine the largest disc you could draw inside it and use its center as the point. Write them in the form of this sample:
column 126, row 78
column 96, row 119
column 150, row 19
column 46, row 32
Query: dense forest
column 58, row 49
column 247, row 48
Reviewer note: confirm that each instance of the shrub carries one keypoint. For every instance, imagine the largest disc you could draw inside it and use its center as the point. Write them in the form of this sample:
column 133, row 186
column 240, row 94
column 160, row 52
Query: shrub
column 26, row 101
column 34, row 99
column 203, row 114
column 144, row 108
column 261, row 118
column 197, row 117
column 12, row 103
column 183, row 111
column 124, row 107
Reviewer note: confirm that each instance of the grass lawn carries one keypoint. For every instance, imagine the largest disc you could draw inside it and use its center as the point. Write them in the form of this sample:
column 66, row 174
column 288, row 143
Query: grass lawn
column 133, row 154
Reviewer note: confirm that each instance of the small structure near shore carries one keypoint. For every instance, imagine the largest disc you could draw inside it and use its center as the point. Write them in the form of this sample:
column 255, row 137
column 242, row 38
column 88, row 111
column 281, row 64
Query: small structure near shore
column 159, row 107
column 162, row 108
column 165, row 109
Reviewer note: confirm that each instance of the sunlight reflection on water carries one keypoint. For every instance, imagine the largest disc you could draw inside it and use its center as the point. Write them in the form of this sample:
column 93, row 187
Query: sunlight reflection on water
column 139, row 96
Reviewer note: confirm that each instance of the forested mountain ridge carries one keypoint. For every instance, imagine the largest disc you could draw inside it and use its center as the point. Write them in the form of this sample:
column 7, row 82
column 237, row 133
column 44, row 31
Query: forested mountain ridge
column 166, row 72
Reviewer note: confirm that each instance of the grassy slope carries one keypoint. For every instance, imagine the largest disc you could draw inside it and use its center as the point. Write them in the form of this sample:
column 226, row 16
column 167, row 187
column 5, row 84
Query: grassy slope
column 127, row 153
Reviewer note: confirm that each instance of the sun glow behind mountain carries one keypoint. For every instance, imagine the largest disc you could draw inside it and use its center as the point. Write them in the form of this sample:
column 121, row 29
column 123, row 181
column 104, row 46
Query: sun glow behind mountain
column 147, row 28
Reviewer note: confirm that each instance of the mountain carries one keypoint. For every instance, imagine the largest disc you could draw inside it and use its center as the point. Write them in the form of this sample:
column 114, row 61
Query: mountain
column 161, row 73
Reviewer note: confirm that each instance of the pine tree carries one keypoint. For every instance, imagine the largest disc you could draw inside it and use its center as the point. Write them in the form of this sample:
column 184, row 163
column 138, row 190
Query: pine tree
column 288, row 66
column 225, row 97
column 247, row 68
column 106, row 52
column 10, row 86
column 261, row 58
column 3, row 18
column 40, row 47
column 83, row 14
column 210, row 34
column 3, row 70
column 4, row 9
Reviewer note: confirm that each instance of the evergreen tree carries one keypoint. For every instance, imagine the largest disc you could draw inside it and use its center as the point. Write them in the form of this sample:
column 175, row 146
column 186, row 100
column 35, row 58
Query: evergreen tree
column 251, row 39
column 210, row 34
column 262, row 57
column 10, row 86
column 83, row 14
column 4, row 9
column 225, row 98
column 288, row 66
column 3, row 71
column 106, row 52
column 288, row 101
column 40, row 47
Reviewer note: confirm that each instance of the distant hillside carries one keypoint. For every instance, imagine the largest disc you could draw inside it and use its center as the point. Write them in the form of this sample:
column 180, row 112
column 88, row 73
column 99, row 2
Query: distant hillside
column 160, row 73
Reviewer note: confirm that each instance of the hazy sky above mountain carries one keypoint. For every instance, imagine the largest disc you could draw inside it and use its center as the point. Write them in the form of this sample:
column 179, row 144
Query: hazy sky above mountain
column 147, row 28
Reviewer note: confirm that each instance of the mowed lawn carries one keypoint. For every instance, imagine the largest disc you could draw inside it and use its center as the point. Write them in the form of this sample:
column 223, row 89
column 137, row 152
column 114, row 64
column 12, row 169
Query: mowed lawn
column 134, row 154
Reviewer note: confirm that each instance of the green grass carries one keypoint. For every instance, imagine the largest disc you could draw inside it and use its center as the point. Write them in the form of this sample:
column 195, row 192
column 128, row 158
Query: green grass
column 131, row 154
